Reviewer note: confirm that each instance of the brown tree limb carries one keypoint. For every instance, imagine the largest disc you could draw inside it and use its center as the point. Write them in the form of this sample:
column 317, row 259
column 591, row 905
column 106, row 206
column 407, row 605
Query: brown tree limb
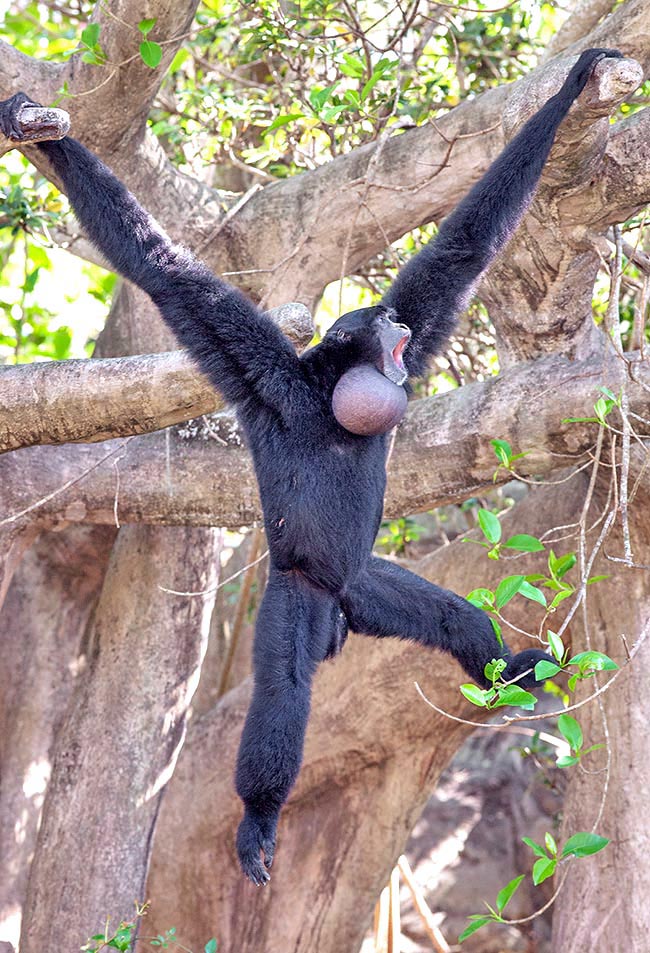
column 77, row 400
column 442, row 454
column 38, row 123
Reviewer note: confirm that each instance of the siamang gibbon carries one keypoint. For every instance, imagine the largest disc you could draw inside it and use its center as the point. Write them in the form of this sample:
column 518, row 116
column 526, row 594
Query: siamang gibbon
column 321, row 485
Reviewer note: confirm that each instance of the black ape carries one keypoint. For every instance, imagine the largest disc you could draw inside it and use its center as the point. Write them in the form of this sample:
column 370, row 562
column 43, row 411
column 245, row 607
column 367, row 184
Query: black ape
column 322, row 487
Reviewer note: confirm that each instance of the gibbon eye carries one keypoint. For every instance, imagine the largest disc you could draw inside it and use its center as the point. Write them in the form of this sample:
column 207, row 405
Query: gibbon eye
column 343, row 336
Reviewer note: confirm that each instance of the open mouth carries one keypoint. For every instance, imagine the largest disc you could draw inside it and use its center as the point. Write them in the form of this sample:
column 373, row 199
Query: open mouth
column 398, row 350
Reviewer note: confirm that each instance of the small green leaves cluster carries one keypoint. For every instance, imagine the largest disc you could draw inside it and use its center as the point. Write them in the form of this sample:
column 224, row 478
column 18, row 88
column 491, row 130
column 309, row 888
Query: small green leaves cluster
column 548, row 857
column 329, row 104
column 90, row 47
column 92, row 51
column 479, row 920
column 395, row 535
column 492, row 531
column 572, row 734
column 125, row 937
column 499, row 693
column 505, row 456
column 150, row 52
column 602, row 409
column 578, row 845
column 586, row 663
column 529, row 585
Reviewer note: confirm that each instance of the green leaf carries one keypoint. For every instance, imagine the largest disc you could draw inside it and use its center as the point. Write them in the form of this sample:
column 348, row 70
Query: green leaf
column 490, row 525
column 146, row 26
column 331, row 113
column 210, row 946
column 151, row 53
column 506, row 589
column 533, row 593
column 543, row 869
column 584, row 844
column 473, row 694
column 602, row 408
column 61, row 341
column 544, row 669
column 513, row 695
column 556, row 645
column 551, row 846
column 504, row 896
column 534, row 846
column 561, row 596
column 494, row 668
column 352, row 66
column 571, row 731
column 30, row 280
column 496, row 625
column 473, row 927
column 318, row 97
column 593, row 661
column 562, row 565
column 566, row 761
column 608, row 393
column 481, row 598
column 90, row 34
column 179, row 59
column 524, row 543
column 283, row 120
column 377, row 75
column 502, row 451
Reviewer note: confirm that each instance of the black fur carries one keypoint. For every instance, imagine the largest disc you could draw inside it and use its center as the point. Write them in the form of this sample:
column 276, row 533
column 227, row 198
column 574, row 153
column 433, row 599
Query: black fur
column 322, row 488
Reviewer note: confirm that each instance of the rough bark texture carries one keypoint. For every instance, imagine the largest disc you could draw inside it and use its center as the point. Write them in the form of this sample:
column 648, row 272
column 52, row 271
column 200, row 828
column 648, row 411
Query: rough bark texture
column 113, row 786
column 370, row 757
column 61, row 402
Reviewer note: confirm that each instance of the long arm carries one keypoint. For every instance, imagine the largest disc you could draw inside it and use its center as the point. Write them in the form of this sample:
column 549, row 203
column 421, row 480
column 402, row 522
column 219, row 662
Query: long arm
column 436, row 284
column 234, row 343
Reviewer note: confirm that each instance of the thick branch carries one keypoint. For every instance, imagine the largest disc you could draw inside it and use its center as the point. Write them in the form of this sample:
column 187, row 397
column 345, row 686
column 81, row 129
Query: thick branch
column 625, row 185
column 556, row 246
column 64, row 401
column 442, row 454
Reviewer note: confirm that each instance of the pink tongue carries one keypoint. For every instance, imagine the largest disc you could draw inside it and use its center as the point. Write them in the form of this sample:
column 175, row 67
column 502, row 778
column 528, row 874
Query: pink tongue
column 398, row 350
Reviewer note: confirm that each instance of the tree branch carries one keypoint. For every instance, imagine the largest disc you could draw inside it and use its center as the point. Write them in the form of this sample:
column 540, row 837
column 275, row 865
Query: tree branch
column 167, row 479
column 63, row 401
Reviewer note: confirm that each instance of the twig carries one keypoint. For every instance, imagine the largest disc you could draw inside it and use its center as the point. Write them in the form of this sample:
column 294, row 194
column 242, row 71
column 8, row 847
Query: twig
column 243, row 602
column 207, row 592
column 438, row 941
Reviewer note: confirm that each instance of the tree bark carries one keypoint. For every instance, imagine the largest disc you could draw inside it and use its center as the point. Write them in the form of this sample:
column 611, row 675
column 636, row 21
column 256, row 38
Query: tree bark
column 121, row 737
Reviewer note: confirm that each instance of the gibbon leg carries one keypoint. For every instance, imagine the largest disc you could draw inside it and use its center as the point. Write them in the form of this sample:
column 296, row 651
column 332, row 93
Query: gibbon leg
column 295, row 631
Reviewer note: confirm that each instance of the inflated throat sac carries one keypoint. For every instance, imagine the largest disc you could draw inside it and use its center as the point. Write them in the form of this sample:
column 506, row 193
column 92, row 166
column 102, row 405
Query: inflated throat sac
column 366, row 403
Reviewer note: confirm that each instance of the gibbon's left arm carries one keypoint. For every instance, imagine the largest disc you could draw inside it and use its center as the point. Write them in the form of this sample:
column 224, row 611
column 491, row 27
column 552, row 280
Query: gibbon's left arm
column 436, row 284
column 239, row 348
